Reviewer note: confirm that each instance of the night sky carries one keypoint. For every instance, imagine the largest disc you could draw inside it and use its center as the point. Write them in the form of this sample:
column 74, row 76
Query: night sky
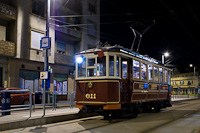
column 176, row 28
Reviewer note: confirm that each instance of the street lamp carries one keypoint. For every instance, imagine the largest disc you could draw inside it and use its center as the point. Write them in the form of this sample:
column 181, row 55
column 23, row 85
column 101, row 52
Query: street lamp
column 166, row 54
column 191, row 65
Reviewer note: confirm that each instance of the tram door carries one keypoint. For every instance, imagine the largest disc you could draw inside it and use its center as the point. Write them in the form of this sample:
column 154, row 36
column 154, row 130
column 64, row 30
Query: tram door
column 125, row 81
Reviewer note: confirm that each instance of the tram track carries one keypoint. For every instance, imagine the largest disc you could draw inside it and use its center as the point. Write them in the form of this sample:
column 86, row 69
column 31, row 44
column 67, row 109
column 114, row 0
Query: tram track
column 87, row 124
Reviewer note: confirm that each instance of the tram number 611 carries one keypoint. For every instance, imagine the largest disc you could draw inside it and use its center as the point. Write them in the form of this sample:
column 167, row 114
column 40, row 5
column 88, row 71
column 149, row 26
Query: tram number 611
column 90, row 96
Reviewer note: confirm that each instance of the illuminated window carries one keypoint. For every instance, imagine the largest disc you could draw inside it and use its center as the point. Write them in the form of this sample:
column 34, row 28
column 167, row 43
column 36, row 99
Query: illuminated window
column 161, row 74
column 155, row 73
column 136, row 69
column 117, row 65
column 111, row 65
column 82, row 68
column 124, row 69
column 91, row 62
column 165, row 76
column 91, row 72
column 150, row 72
column 144, row 71
column 101, row 66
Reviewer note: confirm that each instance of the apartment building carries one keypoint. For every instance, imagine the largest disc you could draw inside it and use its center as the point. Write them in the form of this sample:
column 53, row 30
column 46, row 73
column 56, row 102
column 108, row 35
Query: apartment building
column 74, row 26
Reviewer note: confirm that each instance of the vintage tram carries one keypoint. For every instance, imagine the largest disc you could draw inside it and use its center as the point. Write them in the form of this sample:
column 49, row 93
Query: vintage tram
column 112, row 80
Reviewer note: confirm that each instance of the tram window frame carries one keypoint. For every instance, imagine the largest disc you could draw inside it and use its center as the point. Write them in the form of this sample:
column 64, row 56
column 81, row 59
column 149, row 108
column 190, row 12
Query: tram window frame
column 102, row 62
column 117, row 66
column 139, row 69
column 126, row 69
column 91, row 67
column 165, row 76
column 151, row 72
column 160, row 76
column 112, row 64
column 145, row 71
column 81, row 66
column 155, row 74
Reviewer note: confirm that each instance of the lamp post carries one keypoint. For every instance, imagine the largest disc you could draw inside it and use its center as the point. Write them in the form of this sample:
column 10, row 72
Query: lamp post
column 166, row 54
column 191, row 65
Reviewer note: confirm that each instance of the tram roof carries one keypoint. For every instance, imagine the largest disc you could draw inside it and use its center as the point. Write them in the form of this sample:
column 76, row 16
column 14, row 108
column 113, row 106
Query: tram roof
column 121, row 49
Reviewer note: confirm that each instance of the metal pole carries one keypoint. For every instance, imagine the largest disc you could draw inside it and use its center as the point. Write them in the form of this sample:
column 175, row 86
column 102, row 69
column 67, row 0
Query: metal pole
column 30, row 102
column 163, row 59
column 44, row 98
column 46, row 56
column 194, row 70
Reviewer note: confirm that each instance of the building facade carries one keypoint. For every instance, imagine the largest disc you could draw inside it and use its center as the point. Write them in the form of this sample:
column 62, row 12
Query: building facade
column 186, row 83
column 74, row 26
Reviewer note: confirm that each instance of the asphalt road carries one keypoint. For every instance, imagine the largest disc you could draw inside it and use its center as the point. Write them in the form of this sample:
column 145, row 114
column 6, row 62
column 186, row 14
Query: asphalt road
column 183, row 117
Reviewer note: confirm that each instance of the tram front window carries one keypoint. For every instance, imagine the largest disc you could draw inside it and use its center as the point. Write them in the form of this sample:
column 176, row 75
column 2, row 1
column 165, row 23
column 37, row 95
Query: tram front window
column 91, row 72
column 82, row 68
column 101, row 66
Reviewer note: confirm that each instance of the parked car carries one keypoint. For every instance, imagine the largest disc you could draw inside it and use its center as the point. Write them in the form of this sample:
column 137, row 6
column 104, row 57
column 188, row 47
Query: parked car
column 17, row 98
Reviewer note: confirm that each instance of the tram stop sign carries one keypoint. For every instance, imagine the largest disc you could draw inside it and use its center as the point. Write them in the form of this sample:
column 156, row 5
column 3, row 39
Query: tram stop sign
column 44, row 75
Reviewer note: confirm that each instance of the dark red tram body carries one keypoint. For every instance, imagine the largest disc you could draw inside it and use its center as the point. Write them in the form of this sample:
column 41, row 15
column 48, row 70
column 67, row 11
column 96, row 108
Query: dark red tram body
column 114, row 79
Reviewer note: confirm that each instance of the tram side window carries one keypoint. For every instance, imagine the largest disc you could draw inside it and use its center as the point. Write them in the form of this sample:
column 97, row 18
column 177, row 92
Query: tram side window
column 101, row 66
column 165, row 76
column 124, row 69
column 117, row 65
column 82, row 68
column 150, row 72
column 144, row 70
column 111, row 65
column 161, row 74
column 155, row 73
column 136, row 69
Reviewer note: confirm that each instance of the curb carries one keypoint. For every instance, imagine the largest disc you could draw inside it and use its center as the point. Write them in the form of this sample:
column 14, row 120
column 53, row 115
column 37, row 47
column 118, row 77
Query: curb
column 42, row 120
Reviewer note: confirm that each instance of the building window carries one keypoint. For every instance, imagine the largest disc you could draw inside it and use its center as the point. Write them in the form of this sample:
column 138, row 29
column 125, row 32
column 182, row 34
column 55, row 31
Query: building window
column 2, row 33
column 60, row 84
column 91, row 28
column 92, row 8
column 61, row 47
column 35, row 39
column 38, row 7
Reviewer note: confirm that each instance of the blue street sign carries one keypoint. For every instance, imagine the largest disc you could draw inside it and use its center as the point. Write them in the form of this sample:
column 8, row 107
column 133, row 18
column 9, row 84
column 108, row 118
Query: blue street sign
column 45, row 42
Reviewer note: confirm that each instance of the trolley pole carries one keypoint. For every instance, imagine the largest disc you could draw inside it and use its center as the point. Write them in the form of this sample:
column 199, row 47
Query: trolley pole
column 46, row 54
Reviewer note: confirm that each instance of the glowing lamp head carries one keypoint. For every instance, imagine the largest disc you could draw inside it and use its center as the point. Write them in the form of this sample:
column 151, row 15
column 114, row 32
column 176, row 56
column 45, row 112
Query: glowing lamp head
column 191, row 65
column 79, row 59
column 166, row 54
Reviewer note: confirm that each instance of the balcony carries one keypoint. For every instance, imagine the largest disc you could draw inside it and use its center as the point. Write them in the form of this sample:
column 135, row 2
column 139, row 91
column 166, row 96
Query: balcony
column 7, row 12
column 64, row 59
column 7, row 48
column 69, row 31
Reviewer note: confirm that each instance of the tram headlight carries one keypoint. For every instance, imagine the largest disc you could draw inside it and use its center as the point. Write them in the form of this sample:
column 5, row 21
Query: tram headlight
column 79, row 59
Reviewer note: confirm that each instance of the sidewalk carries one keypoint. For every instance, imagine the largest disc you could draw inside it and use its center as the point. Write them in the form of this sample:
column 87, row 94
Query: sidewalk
column 182, row 98
column 20, row 119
